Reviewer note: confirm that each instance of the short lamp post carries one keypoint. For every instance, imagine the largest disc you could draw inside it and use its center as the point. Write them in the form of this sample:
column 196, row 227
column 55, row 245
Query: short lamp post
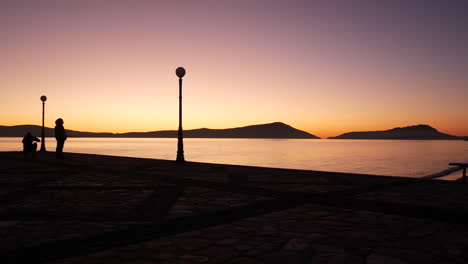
column 180, row 72
column 43, row 99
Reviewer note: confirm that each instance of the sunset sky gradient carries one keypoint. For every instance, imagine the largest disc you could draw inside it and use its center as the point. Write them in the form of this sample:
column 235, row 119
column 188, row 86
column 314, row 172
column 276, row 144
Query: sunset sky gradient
column 326, row 67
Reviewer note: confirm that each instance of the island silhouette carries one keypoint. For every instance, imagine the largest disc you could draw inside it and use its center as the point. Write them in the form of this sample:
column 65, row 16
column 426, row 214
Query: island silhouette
column 409, row 132
column 271, row 130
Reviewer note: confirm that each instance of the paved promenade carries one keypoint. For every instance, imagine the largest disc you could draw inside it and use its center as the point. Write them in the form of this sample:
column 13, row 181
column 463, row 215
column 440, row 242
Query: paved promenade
column 103, row 209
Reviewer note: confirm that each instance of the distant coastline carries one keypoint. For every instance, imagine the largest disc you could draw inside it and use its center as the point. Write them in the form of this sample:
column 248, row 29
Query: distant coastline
column 272, row 130
column 276, row 130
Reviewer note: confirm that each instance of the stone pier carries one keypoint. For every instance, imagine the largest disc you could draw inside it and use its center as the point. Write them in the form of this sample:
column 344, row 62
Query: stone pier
column 105, row 209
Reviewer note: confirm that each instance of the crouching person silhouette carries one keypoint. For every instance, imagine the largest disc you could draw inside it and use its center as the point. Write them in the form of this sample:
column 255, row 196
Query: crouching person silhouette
column 29, row 145
column 60, row 136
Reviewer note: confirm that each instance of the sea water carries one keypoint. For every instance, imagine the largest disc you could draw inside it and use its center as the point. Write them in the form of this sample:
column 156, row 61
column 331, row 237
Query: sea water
column 408, row 158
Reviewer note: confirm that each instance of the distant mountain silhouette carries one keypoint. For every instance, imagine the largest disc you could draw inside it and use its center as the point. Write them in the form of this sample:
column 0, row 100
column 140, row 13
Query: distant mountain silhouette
column 273, row 130
column 19, row 131
column 410, row 132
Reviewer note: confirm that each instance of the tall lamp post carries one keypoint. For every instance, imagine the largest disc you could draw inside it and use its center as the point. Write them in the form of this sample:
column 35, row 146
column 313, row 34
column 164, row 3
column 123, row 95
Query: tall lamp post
column 180, row 72
column 43, row 99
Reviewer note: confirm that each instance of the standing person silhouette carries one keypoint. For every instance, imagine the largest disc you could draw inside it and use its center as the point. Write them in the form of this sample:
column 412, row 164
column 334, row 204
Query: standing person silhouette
column 60, row 136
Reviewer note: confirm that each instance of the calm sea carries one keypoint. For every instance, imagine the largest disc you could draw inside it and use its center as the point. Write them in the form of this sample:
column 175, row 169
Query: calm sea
column 410, row 158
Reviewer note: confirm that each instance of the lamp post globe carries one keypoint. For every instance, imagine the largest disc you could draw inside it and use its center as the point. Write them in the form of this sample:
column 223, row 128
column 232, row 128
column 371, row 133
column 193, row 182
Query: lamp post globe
column 180, row 72
column 43, row 99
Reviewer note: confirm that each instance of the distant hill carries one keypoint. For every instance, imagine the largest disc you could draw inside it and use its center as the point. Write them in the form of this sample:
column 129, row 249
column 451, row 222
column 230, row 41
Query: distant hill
column 273, row 130
column 20, row 131
column 410, row 132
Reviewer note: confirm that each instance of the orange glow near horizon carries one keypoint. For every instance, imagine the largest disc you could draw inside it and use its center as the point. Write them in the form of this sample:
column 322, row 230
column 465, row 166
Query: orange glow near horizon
column 323, row 70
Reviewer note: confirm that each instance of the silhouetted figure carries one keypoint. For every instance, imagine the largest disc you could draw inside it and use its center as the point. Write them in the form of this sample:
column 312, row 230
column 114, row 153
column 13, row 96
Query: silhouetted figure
column 29, row 145
column 60, row 136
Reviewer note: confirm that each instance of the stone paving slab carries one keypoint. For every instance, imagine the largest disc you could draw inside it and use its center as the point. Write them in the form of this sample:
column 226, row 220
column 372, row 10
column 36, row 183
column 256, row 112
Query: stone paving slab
column 19, row 178
column 8, row 190
column 281, row 179
column 196, row 200
column 18, row 234
column 431, row 193
column 96, row 178
column 75, row 203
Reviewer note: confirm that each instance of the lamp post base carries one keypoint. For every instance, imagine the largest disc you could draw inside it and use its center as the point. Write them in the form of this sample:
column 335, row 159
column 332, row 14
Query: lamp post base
column 180, row 158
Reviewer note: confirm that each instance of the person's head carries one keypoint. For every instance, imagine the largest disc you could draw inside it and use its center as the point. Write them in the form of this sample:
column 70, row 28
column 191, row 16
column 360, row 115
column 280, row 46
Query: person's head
column 28, row 134
column 59, row 122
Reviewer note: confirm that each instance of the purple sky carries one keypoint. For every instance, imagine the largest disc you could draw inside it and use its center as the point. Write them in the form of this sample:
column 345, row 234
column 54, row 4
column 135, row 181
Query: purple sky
column 322, row 66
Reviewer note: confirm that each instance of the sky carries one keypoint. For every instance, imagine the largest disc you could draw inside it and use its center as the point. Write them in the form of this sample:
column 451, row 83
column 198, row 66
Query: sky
column 326, row 67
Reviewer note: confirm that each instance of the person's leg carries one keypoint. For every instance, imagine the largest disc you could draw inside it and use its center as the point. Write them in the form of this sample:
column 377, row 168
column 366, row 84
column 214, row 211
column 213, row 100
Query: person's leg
column 59, row 150
column 33, row 150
